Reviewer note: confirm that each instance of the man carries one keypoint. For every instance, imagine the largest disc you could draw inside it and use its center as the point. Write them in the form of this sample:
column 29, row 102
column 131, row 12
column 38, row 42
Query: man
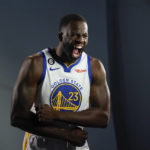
column 54, row 90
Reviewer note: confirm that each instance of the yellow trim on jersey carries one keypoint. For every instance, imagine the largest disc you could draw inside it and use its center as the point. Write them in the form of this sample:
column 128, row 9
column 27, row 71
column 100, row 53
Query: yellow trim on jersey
column 27, row 135
column 70, row 64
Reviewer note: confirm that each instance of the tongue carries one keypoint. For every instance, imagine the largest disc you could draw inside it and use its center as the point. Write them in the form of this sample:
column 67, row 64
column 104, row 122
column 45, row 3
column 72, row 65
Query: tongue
column 75, row 51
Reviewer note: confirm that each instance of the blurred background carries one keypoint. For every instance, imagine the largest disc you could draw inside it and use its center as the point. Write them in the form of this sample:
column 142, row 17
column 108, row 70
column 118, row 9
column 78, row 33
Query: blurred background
column 119, row 35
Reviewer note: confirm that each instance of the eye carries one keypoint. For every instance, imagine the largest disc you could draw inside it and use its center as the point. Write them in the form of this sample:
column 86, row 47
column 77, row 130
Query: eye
column 85, row 35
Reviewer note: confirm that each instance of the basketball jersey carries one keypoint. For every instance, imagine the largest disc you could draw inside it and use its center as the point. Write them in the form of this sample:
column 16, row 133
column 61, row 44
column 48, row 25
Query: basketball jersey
column 63, row 88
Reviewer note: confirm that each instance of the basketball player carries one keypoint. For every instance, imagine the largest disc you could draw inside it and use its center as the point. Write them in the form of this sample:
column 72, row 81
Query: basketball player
column 61, row 90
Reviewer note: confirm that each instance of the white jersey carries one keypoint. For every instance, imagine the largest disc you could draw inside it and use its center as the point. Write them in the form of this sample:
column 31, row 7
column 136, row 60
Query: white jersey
column 64, row 88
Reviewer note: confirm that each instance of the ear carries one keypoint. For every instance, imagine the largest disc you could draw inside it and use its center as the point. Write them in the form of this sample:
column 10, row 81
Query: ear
column 60, row 36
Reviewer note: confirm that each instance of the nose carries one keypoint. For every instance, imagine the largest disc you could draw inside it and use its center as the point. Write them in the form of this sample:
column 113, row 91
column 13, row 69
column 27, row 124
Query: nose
column 79, row 39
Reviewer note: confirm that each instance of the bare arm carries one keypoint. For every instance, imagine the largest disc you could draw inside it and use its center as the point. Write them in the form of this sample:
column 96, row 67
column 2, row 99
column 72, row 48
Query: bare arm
column 23, row 97
column 98, row 114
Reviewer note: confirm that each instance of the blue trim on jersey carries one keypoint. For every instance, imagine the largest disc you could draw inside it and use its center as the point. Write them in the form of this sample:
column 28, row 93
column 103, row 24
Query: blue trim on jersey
column 89, row 68
column 44, row 68
column 67, row 68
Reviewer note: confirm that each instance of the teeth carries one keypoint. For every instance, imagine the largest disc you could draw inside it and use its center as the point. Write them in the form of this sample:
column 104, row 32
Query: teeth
column 78, row 46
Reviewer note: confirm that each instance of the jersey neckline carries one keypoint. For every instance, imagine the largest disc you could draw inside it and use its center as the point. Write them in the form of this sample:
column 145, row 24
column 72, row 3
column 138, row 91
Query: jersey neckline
column 66, row 68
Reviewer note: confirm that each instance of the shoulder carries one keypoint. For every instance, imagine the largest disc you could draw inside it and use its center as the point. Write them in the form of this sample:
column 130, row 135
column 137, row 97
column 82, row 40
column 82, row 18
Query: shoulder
column 32, row 67
column 35, row 59
column 97, row 69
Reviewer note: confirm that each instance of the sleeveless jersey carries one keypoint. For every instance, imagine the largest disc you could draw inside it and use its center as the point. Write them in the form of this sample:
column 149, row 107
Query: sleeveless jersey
column 64, row 88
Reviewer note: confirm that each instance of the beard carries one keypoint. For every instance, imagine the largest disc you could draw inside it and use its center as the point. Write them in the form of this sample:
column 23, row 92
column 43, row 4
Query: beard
column 71, row 51
column 67, row 52
column 67, row 49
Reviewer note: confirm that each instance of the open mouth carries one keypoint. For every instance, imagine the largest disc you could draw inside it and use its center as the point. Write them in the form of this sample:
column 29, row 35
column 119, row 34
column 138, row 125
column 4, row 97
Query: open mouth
column 77, row 52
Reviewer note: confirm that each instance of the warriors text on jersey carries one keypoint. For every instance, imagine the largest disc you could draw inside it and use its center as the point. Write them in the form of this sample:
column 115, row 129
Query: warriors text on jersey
column 64, row 88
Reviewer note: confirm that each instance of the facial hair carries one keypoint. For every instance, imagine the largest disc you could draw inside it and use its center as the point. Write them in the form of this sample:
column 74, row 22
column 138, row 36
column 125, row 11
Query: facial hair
column 67, row 52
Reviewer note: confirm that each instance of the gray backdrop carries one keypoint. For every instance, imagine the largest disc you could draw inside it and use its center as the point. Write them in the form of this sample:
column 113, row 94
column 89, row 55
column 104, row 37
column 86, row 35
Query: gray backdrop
column 129, row 51
column 119, row 35
column 27, row 26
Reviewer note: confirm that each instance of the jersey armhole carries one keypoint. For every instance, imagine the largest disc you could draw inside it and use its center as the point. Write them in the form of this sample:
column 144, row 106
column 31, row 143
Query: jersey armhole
column 89, row 69
column 44, row 67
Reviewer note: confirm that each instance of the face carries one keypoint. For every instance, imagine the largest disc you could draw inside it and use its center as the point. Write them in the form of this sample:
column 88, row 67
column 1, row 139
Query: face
column 74, row 39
